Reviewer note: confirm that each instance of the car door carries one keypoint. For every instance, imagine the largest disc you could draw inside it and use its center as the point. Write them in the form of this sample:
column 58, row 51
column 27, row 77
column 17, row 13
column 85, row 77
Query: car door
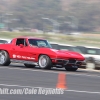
column 20, row 50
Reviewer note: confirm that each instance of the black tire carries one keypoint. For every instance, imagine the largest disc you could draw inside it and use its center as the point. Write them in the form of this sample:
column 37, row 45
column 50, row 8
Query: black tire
column 29, row 66
column 4, row 58
column 71, row 68
column 47, row 60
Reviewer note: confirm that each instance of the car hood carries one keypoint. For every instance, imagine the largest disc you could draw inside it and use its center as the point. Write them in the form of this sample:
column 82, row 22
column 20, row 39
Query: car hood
column 68, row 54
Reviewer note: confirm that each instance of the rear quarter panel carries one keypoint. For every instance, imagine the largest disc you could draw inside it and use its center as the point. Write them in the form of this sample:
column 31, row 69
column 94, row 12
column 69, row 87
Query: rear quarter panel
column 7, row 47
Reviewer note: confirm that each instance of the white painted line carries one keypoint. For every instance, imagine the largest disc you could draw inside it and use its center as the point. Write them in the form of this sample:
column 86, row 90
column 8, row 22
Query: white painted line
column 89, row 92
column 83, row 75
column 83, row 91
column 51, row 71
column 18, row 86
column 90, row 70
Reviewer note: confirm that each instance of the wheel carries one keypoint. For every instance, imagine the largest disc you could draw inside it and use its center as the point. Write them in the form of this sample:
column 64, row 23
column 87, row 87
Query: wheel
column 29, row 66
column 71, row 67
column 4, row 58
column 90, row 63
column 44, row 62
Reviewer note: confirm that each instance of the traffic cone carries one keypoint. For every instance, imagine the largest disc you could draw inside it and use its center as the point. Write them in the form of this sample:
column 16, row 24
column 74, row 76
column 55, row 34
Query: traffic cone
column 61, row 84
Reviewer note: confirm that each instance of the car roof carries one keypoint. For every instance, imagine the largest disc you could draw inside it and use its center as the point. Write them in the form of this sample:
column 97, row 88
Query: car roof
column 30, row 37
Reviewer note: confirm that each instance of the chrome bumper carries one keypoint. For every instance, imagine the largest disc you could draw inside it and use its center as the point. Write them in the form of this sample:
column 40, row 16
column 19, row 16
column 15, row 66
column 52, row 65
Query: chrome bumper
column 66, row 62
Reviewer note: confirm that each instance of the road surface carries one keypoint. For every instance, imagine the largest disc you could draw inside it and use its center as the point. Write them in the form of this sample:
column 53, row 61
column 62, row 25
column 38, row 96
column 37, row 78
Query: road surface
column 81, row 85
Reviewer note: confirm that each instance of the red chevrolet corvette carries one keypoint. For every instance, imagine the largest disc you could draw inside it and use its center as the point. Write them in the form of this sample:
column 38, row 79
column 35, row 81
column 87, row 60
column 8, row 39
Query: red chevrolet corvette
column 33, row 51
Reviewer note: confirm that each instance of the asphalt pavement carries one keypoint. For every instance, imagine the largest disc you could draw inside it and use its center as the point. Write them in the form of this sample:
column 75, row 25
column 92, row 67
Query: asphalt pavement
column 81, row 85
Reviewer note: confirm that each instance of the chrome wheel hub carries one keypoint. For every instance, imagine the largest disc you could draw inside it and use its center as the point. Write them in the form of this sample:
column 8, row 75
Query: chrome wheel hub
column 42, row 62
column 2, row 58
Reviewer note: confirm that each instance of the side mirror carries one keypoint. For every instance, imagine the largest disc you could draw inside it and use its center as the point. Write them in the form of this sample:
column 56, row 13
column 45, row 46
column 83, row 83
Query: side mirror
column 21, row 45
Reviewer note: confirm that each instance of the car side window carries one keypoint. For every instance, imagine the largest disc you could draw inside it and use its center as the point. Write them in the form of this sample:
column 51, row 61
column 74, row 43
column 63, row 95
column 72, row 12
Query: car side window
column 21, row 41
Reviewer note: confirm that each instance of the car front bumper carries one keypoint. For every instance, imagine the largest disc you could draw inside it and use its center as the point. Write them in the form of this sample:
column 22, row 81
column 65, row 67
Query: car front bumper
column 66, row 62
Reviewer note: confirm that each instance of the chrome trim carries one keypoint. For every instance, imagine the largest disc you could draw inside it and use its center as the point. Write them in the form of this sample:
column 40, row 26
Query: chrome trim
column 68, row 61
column 72, row 63
column 77, row 62
column 57, row 59
column 24, row 61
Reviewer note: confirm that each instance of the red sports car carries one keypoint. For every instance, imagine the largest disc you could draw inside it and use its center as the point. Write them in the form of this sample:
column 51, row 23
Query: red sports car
column 33, row 51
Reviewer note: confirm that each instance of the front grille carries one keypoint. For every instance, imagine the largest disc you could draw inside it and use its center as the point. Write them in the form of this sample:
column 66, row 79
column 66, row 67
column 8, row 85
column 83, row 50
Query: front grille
column 78, row 63
column 65, row 62
column 59, row 61
column 72, row 61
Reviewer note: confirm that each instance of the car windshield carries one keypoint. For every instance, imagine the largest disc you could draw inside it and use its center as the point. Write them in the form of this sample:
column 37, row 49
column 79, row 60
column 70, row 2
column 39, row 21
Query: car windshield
column 39, row 43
